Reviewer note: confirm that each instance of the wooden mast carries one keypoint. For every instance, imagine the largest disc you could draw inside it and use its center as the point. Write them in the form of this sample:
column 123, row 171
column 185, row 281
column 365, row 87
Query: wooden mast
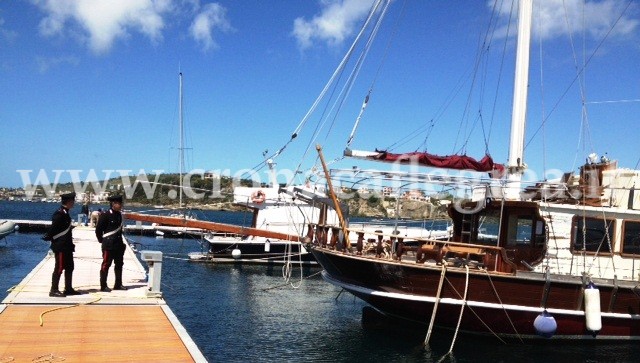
column 211, row 226
column 332, row 194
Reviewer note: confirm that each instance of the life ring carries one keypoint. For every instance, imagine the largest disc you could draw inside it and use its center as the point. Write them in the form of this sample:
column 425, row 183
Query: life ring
column 258, row 197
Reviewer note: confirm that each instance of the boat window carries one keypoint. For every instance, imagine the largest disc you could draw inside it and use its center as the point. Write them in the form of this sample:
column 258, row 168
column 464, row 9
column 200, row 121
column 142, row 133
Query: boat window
column 488, row 224
column 631, row 238
column 520, row 230
column 592, row 235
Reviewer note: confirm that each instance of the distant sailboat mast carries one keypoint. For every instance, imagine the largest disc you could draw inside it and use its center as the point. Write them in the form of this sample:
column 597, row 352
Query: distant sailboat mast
column 181, row 147
column 516, row 163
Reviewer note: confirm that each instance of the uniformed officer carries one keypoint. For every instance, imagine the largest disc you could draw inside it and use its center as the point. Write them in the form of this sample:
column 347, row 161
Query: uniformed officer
column 62, row 246
column 109, row 234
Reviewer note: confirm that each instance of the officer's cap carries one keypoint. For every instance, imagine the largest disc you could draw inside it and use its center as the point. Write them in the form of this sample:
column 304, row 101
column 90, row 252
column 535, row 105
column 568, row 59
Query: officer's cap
column 115, row 199
column 67, row 197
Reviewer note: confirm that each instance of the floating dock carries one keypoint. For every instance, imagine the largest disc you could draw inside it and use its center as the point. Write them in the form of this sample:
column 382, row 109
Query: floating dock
column 39, row 226
column 133, row 325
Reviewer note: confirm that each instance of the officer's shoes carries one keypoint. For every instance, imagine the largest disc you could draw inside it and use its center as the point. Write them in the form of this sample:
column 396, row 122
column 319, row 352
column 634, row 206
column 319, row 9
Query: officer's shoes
column 119, row 287
column 56, row 293
column 72, row 292
column 105, row 289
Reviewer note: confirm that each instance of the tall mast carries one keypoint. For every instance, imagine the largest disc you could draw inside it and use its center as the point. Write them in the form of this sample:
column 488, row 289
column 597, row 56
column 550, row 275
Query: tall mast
column 181, row 147
column 516, row 163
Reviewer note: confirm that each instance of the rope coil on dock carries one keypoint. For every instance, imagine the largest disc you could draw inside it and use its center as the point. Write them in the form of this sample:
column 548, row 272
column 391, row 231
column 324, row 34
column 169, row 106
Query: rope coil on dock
column 65, row 307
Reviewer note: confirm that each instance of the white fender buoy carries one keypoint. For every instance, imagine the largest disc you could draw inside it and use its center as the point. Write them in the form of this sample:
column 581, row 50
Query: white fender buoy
column 592, row 311
column 267, row 246
column 236, row 253
column 545, row 324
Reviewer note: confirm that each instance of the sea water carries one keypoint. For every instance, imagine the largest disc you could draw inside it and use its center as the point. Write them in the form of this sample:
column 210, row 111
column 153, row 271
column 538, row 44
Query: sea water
column 250, row 313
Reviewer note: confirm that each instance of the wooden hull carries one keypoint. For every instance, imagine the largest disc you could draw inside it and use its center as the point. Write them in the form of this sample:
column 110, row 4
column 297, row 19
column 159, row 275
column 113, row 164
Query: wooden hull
column 497, row 304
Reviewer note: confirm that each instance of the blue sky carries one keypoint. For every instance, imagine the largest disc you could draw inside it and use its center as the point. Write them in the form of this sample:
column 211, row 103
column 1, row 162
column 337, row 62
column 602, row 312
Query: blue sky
column 89, row 85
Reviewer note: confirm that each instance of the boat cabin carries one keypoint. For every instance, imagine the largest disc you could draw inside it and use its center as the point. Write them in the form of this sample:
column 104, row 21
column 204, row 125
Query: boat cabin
column 514, row 227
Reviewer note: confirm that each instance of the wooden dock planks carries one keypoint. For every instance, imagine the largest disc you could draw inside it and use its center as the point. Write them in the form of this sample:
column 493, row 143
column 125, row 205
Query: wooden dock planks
column 115, row 333
column 116, row 326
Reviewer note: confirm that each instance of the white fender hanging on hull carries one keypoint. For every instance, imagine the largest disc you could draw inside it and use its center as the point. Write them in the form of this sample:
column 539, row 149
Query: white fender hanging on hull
column 592, row 311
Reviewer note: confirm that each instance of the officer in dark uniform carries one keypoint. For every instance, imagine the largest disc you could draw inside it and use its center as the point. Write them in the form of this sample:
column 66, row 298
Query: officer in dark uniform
column 60, row 236
column 109, row 234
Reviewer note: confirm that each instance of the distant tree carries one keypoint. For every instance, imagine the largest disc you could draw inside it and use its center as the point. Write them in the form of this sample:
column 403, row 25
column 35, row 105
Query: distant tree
column 373, row 200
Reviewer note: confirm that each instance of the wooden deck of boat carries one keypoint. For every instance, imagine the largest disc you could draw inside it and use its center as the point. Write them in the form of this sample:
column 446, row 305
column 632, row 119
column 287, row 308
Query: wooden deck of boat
column 116, row 326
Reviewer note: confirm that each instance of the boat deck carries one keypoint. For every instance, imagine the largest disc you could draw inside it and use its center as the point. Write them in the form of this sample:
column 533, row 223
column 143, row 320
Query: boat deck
column 116, row 326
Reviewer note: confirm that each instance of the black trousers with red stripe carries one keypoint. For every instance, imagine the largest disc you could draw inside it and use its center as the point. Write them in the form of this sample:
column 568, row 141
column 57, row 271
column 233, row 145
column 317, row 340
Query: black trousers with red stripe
column 115, row 256
column 108, row 256
column 64, row 261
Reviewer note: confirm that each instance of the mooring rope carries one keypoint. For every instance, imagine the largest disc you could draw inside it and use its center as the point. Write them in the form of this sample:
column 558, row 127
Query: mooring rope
column 287, row 283
column 435, row 305
column 47, row 358
column 65, row 307
column 476, row 314
column 464, row 303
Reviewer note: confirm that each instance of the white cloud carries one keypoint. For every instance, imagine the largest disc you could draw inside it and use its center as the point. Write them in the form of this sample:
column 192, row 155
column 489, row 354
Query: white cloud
column 103, row 22
column 44, row 64
column 556, row 18
column 8, row 35
column 212, row 16
column 336, row 22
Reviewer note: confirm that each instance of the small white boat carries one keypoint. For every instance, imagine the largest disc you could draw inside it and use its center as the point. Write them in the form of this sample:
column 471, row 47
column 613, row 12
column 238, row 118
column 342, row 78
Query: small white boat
column 6, row 228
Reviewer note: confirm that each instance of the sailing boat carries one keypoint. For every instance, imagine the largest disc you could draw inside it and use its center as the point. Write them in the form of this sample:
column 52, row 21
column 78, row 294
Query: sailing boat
column 181, row 209
column 285, row 210
column 560, row 264
column 279, row 217
column 282, row 220
column 181, row 212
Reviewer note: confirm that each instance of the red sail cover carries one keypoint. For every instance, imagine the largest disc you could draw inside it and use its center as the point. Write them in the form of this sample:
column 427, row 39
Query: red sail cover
column 458, row 162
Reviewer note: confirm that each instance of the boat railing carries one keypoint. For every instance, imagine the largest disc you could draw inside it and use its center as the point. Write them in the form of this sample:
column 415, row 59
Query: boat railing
column 395, row 247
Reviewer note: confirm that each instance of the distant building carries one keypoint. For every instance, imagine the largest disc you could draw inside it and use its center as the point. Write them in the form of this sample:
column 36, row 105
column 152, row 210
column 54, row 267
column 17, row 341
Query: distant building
column 387, row 191
column 100, row 197
column 211, row 175
column 414, row 194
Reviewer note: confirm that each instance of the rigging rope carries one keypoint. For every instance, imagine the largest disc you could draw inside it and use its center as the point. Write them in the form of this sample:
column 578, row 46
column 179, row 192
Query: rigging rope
column 579, row 73
column 542, row 93
column 502, row 62
column 287, row 268
column 331, row 81
column 375, row 78
column 495, row 291
column 346, row 89
column 480, row 63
